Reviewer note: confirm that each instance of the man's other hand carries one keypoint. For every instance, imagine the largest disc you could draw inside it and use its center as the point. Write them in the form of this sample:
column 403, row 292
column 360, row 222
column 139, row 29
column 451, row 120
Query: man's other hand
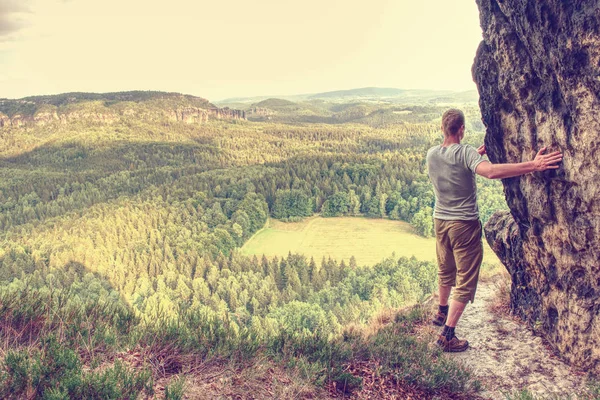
column 481, row 149
column 543, row 161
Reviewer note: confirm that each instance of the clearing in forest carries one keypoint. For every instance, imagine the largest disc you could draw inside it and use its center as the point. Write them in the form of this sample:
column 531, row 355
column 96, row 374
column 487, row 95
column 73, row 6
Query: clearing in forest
column 368, row 240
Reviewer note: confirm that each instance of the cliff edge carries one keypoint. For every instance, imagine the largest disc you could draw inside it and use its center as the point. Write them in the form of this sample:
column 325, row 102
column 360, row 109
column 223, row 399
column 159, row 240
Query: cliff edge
column 538, row 75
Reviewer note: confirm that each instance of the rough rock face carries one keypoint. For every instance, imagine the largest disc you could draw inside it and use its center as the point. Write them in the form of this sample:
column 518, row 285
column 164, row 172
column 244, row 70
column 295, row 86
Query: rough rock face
column 227, row 113
column 538, row 75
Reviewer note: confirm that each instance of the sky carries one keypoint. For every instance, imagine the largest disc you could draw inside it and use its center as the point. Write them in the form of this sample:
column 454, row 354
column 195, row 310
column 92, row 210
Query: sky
column 235, row 48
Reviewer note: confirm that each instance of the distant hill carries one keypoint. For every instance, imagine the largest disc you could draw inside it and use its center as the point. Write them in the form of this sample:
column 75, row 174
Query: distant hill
column 29, row 105
column 469, row 96
column 274, row 103
column 372, row 106
column 109, row 108
column 399, row 95
column 282, row 110
column 256, row 99
column 362, row 92
column 392, row 95
column 134, row 95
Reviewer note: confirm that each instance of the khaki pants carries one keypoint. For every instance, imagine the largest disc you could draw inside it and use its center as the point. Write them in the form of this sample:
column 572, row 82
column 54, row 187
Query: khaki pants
column 459, row 254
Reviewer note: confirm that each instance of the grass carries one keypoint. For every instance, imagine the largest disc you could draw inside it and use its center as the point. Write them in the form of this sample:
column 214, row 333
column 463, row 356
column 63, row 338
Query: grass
column 393, row 362
column 40, row 357
column 368, row 240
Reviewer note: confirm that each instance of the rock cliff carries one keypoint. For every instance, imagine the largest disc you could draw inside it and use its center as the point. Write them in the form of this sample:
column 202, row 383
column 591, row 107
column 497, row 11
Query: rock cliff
column 109, row 108
column 538, row 75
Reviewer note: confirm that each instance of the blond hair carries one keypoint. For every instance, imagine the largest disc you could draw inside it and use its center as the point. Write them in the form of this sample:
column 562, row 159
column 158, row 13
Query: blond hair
column 452, row 120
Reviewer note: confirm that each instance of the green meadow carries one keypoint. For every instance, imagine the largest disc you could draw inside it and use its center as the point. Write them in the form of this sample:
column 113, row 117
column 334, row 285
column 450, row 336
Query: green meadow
column 368, row 240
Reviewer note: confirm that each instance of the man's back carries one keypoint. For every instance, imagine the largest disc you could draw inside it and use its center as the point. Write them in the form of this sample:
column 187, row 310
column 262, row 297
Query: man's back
column 452, row 173
column 459, row 248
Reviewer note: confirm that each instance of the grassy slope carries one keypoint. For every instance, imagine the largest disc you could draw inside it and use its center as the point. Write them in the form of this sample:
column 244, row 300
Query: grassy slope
column 368, row 240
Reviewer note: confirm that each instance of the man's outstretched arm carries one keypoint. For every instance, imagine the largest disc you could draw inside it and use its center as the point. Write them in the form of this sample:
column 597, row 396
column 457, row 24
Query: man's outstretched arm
column 541, row 162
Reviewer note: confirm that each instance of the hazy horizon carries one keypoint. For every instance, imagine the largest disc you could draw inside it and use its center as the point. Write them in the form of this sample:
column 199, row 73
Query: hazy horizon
column 267, row 95
column 247, row 50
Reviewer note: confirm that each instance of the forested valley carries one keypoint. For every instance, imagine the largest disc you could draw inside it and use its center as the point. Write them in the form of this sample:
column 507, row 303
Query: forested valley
column 125, row 234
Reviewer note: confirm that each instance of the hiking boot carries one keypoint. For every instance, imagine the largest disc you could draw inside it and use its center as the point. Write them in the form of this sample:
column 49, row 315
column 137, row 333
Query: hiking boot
column 439, row 319
column 454, row 345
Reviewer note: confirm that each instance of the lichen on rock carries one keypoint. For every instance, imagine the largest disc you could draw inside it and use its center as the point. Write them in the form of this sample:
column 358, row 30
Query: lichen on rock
column 538, row 75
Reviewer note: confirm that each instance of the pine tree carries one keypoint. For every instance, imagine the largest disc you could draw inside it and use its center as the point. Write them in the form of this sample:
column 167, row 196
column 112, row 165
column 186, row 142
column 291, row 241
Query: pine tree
column 353, row 262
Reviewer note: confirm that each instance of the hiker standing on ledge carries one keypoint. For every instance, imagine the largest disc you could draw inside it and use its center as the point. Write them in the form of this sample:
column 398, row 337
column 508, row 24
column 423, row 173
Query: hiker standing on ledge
column 452, row 167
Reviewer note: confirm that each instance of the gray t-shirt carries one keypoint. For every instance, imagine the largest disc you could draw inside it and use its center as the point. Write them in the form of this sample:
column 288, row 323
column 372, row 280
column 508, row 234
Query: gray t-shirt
column 452, row 172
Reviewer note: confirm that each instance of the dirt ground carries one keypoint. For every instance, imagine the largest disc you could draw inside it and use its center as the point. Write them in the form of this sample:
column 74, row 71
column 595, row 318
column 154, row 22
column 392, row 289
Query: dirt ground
column 506, row 356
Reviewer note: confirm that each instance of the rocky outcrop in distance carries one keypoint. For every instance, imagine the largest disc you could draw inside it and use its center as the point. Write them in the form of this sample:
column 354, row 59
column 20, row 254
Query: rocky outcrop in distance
column 195, row 115
column 188, row 115
column 538, row 75
column 45, row 118
column 110, row 108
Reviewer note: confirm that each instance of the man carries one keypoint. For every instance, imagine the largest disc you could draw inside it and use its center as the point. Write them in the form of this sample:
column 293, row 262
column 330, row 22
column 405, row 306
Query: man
column 452, row 168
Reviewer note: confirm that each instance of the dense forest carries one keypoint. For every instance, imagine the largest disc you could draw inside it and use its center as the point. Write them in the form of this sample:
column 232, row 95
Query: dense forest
column 144, row 218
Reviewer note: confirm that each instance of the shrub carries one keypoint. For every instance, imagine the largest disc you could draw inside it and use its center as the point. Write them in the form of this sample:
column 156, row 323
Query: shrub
column 55, row 372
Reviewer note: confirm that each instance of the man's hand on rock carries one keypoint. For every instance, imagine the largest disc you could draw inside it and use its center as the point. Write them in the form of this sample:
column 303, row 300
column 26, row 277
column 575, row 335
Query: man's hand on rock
column 481, row 149
column 543, row 161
